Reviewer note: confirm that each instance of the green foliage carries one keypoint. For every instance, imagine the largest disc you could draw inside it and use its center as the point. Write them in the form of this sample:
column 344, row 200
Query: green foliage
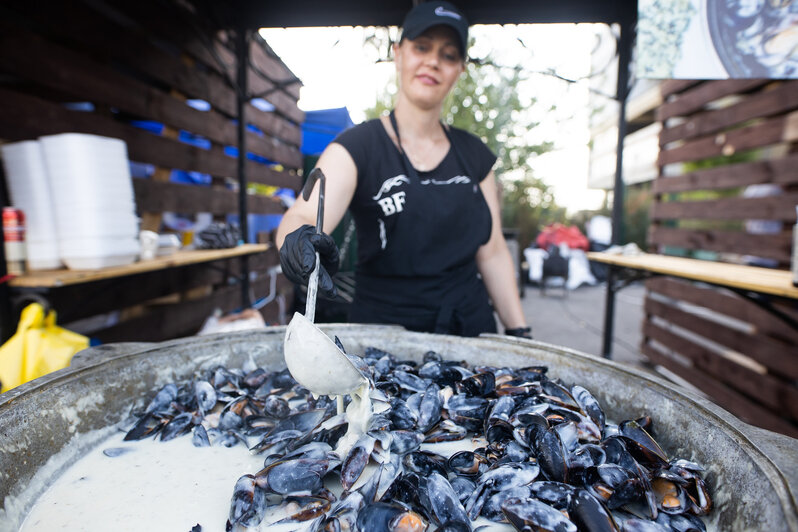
column 721, row 160
column 637, row 205
column 528, row 205
column 485, row 102
column 713, row 162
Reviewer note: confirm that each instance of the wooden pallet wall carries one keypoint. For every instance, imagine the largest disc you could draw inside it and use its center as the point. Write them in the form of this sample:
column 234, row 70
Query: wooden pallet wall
column 718, row 139
column 143, row 60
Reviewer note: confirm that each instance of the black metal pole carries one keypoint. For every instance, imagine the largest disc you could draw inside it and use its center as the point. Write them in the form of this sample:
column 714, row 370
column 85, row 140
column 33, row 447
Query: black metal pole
column 6, row 308
column 242, row 66
column 624, row 61
column 7, row 325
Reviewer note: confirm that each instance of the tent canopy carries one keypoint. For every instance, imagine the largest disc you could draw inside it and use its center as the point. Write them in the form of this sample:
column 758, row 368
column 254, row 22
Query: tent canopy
column 320, row 128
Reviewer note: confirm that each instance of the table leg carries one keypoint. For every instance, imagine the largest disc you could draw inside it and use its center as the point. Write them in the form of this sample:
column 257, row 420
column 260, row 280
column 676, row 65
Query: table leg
column 609, row 314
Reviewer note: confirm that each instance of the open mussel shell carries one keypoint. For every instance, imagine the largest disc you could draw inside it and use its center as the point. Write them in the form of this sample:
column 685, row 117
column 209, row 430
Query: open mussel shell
column 390, row 518
column 467, row 464
column 531, row 514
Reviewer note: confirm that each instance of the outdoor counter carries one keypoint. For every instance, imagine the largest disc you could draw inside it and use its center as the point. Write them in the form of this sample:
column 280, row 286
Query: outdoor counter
column 63, row 277
column 78, row 294
column 754, row 283
column 737, row 276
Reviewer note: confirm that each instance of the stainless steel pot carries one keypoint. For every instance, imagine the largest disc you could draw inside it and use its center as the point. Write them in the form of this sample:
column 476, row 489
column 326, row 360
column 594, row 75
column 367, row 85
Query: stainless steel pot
column 46, row 424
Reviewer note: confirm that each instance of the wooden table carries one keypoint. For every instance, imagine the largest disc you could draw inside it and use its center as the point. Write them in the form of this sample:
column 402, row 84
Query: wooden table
column 49, row 286
column 750, row 282
column 63, row 277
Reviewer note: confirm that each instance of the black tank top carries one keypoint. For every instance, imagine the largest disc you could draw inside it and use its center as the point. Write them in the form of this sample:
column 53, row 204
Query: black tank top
column 418, row 234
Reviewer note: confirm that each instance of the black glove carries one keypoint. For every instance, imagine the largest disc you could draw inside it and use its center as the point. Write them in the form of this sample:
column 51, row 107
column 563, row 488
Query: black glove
column 218, row 235
column 521, row 332
column 298, row 257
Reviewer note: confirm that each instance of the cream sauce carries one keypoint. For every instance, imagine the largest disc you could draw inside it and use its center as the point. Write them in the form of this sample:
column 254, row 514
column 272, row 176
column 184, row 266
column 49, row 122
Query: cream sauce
column 448, row 448
column 153, row 486
column 358, row 416
column 168, row 486
column 173, row 486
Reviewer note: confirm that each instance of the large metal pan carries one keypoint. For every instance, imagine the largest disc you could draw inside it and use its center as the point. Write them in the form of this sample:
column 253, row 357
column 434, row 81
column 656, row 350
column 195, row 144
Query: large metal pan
column 48, row 423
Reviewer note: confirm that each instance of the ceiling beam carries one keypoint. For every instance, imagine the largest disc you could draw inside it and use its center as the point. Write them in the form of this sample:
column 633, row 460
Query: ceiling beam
column 299, row 13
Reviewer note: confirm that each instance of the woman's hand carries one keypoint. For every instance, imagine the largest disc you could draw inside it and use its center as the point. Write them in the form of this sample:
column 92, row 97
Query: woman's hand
column 520, row 332
column 298, row 258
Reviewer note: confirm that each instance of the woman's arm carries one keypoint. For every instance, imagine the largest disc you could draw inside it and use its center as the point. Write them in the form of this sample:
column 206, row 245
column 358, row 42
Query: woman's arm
column 340, row 175
column 496, row 265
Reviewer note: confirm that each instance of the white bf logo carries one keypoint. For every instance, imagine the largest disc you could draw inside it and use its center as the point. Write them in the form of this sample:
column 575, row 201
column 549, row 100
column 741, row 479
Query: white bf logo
column 393, row 203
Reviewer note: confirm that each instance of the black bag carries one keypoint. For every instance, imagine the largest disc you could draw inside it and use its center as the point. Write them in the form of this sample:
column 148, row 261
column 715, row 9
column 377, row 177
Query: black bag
column 218, row 236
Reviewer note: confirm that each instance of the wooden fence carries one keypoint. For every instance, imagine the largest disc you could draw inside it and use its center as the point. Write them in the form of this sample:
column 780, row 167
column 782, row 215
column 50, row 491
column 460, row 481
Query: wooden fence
column 727, row 191
column 145, row 61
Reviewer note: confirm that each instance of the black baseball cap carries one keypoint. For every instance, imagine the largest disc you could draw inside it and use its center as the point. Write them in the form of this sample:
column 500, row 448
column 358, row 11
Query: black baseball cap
column 428, row 14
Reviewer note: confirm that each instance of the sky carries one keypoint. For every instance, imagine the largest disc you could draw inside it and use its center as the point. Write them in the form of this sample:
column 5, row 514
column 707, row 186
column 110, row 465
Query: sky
column 338, row 70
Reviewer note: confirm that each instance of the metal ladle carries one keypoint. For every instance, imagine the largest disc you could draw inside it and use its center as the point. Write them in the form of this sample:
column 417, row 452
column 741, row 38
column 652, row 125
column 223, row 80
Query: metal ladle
column 311, row 356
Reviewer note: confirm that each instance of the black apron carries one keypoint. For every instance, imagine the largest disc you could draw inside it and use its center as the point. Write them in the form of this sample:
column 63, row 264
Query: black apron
column 423, row 275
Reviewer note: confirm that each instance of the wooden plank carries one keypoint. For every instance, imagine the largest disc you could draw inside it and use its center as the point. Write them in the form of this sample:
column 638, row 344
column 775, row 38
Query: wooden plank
column 272, row 313
column 92, row 32
column 269, row 91
column 61, row 69
column 56, row 278
column 182, row 319
column 170, row 22
column 265, row 63
column 669, row 87
column 761, row 349
column 766, row 133
column 153, row 196
column 258, row 83
column 762, row 280
column 268, row 63
column 766, row 103
column 104, row 37
column 771, row 246
column 173, row 24
column 778, row 208
column 777, row 171
column 151, row 221
column 761, row 388
column 731, row 305
column 74, row 302
column 266, row 79
column 696, row 98
column 23, row 117
column 725, row 397
column 274, row 125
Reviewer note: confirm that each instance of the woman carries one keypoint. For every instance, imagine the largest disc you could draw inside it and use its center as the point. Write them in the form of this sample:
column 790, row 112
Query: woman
column 431, row 255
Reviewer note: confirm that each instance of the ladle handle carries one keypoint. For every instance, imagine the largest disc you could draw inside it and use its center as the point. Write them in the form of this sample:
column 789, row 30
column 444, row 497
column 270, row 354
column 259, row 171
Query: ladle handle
column 313, row 283
column 313, row 288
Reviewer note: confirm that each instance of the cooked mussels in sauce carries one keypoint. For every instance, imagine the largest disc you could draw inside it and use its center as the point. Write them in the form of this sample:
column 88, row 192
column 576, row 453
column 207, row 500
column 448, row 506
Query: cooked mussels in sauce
column 449, row 446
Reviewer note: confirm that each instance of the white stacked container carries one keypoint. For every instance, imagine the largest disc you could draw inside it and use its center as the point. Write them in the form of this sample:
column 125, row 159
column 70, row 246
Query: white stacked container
column 95, row 211
column 29, row 188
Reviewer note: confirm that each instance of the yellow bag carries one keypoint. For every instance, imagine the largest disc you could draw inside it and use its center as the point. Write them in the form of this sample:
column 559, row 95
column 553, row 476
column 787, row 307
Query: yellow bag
column 37, row 348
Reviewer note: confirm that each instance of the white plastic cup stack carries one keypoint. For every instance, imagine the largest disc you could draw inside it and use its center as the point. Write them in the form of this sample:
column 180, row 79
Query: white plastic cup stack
column 29, row 188
column 95, row 211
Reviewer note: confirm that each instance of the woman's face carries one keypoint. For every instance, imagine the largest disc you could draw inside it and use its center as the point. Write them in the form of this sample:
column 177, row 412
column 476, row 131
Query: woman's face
column 428, row 66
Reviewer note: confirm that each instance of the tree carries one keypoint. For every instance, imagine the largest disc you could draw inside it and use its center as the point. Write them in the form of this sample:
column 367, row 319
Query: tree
column 485, row 101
